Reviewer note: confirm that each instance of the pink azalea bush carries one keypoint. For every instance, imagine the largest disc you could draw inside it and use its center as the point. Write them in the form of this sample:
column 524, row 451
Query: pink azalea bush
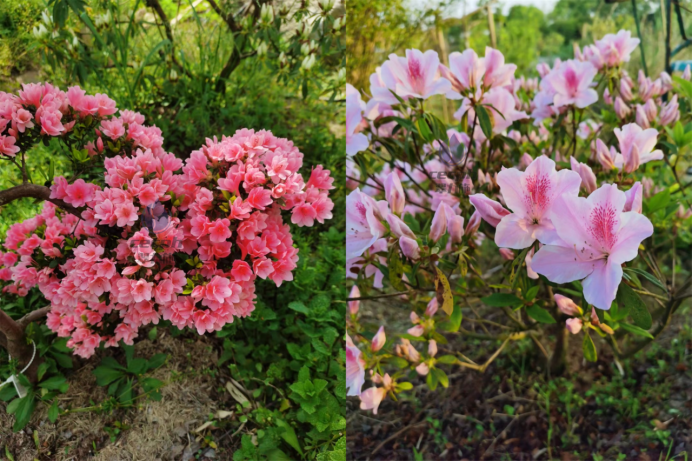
column 156, row 237
column 566, row 181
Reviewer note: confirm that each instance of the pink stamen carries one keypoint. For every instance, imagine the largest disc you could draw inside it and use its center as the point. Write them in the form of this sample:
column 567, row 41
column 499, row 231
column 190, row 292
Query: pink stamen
column 602, row 228
column 538, row 194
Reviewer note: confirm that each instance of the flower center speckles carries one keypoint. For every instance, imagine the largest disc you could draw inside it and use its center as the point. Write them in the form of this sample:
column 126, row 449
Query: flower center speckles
column 361, row 209
column 602, row 227
column 537, row 195
column 414, row 69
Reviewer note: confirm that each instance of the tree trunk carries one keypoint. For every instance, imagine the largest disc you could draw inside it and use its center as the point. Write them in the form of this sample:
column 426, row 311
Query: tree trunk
column 17, row 345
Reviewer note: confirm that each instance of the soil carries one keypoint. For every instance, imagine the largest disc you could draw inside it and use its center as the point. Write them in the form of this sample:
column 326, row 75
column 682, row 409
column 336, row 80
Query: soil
column 153, row 430
column 499, row 415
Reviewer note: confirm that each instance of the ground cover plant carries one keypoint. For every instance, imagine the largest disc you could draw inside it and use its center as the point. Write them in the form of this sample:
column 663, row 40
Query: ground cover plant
column 575, row 180
column 271, row 385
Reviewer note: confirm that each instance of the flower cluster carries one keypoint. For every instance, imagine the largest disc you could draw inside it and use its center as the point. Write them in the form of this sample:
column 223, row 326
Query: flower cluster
column 159, row 238
column 563, row 167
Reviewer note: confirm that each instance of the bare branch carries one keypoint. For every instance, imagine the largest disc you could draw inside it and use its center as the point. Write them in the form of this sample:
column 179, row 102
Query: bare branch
column 37, row 192
column 9, row 327
column 34, row 316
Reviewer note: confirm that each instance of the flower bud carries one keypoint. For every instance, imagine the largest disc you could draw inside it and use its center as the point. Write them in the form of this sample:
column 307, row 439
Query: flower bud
column 481, row 177
column 574, row 325
column 455, row 228
column 507, row 254
column 633, row 202
column 467, row 185
column 606, row 97
column 99, row 144
column 473, row 224
column 354, row 305
column 669, row 112
column 632, row 160
column 687, row 74
column 409, row 248
column 394, row 193
column 641, row 118
column 439, row 222
column 431, row 309
column 603, row 156
column 625, row 90
column 398, row 227
column 432, row 348
column 566, row 305
column 378, row 340
column 529, row 270
column 543, row 69
column 650, row 109
column 267, row 13
column 525, row 161
column 621, row 108
column 666, row 82
column 308, row 62
column 490, row 210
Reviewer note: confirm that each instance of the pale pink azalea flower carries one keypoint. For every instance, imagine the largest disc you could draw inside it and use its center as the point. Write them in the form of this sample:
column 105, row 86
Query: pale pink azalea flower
column 636, row 146
column 363, row 227
column 415, row 76
column 616, row 49
column 572, row 84
column 531, row 195
column 595, row 239
column 467, row 72
column 355, row 142
column 7, row 145
column 398, row 227
column 372, row 397
column 355, row 372
column 439, row 222
column 529, row 269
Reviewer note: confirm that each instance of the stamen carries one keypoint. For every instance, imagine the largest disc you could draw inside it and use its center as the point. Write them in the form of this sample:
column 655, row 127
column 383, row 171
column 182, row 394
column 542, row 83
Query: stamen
column 592, row 258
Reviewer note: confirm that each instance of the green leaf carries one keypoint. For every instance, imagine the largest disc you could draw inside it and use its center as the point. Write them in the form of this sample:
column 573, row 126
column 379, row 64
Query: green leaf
column 52, row 383
column 659, row 201
column 628, row 298
column 589, row 348
column 53, row 411
column 484, row 120
column 648, row 276
column 618, row 313
column 636, row 330
column 289, row 435
column 404, row 386
column 42, row 369
column 454, row 322
column 137, row 365
column 431, row 380
column 156, row 361
column 25, row 407
column 447, row 359
column 105, row 375
column 531, row 293
column 539, row 314
column 499, row 300
column 299, row 307
column 441, row 377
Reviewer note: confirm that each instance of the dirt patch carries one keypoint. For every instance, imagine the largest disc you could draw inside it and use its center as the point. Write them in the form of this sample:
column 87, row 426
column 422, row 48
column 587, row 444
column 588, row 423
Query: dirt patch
column 153, row 430
column 504, row 415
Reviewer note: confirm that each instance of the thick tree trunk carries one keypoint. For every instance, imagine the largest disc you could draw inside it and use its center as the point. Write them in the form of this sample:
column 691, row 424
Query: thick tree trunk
column 13, row 338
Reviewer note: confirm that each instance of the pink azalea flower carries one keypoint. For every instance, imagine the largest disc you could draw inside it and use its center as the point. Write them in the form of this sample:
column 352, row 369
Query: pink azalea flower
column 304, row 215
column 636, row 146
column 409, row 247
column 354, row 305
column 588, row 178
column 79, row 193
column 126, row 214
column 394, row 193
column 7, row 146
column 141, row 290
column 372, row 397
column 23, row 120
column 415, row 76
column 355, row 142
column 572, row 84
column 595, row 239
column 355, row 372
column 468, row 72
column 219, row 230
column 634, row 198
column 363, row 227
column 616, row 49
column 530, row 195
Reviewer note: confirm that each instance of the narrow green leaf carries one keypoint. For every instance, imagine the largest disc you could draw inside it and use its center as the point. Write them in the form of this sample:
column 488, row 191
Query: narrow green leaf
column 539, row 314
column 628, row 298
column 484, row 120
column 589, row 348
column 636, row 330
